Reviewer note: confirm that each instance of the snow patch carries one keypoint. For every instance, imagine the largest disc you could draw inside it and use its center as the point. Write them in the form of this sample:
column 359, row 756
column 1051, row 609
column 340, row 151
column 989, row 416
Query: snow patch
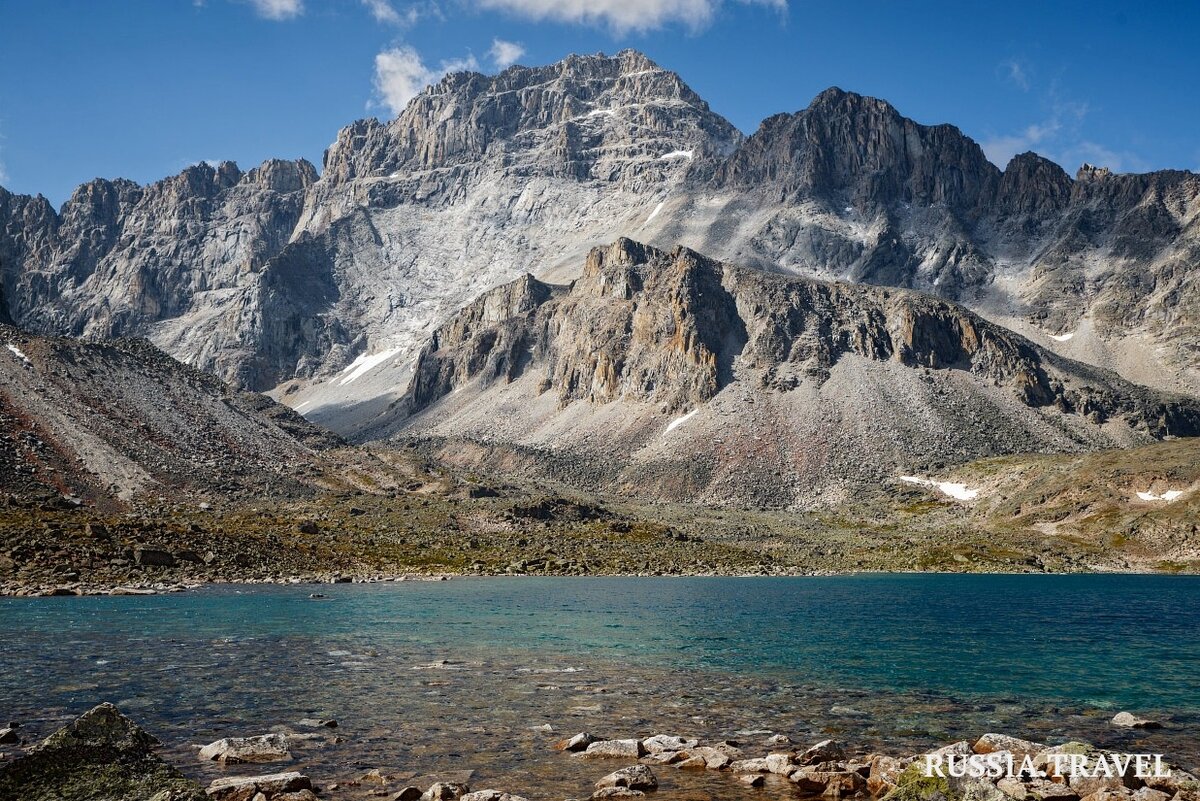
column 654, row 213
column 596, row 112
column 678, row 154
column 365, row 364
column 20, row 354
column 1166, row 497
column 1062, row 337
column 678, row 421
column 960, row 492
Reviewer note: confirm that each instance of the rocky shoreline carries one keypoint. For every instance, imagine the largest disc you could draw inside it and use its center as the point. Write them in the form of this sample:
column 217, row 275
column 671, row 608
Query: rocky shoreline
column 104, row 754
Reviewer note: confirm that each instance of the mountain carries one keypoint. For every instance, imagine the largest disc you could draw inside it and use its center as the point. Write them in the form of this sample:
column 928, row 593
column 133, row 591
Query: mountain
column 673, row 376
column 112, row 422
column 323, row 290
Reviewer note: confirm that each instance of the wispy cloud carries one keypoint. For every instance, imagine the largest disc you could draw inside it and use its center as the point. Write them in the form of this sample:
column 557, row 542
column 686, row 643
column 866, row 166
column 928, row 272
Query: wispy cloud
column 623, row 15
column 401, row 74
column 505, row 54
column 278, row 9
column 385, row 12
column 1017, row 72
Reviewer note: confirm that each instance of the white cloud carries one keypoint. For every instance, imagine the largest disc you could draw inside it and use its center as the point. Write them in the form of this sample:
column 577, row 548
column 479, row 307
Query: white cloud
column 505, row 54
column 278, row 9
column 400, row 75
column 622, row 15
column 383, row 11
column 1018, row 73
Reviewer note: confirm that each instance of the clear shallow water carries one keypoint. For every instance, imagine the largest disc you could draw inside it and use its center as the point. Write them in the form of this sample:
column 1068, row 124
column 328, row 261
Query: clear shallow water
column 883, row 662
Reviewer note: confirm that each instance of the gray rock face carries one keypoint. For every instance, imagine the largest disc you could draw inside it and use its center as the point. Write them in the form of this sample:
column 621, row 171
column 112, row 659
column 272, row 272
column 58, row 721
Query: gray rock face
column 592, row 375
column 328, row 289
column 120, row 419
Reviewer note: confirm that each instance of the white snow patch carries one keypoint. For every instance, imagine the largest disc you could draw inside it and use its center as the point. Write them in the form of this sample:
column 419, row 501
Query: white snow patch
column 678, row 154
column 20, row 354
column 1062, row 337
column 678, row 421
column 654, row 213
column 1167, row 496
column 301, row 406
column 365, row 364
column 596, row 112
column 960, row 492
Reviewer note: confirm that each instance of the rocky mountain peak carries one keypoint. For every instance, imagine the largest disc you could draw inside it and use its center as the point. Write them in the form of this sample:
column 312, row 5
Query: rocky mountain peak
column 575, row 117
column 1033, row 185
column 860, row 149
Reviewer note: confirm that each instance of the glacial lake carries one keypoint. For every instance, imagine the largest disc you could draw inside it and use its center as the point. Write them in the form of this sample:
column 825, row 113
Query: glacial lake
column 429, row 678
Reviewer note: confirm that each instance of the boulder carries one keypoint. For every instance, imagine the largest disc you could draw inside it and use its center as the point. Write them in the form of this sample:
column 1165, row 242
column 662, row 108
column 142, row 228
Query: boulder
column 445, row 791
column 752, row 780
column 634, row 777
column 750, row 766
column 101, row 754
column 9, row 736
column 881, row 778
column 780, row 763
column 578, row 742
column 242, row 750
column 490, row 795
column 667, row 742
column 1148, row 794
column 231, row 788
column 618, row 792
column 715, row 758
column 296, row 795
column 829, row 783
column 408, row 793
column 615, row 749
column 692, row 763
column 153, row 557
column 824, row 751
column 991, row 743
column 1127, row 720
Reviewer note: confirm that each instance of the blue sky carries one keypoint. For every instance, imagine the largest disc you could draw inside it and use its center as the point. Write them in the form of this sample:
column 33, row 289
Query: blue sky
column 142, row 88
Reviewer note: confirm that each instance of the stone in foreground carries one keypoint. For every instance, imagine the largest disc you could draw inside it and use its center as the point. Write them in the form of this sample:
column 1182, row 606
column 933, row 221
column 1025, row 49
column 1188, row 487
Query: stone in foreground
column 239, row 750
column 100, row 756
column 616, row 749
column 635, row 777
column 243, row 788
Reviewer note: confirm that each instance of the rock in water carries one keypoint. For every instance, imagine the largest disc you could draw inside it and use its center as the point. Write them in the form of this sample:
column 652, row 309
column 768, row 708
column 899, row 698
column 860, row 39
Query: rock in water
column 243, row 788
column 236, row 750
column 1127, row 720
column 634, row 777
column 100, row 755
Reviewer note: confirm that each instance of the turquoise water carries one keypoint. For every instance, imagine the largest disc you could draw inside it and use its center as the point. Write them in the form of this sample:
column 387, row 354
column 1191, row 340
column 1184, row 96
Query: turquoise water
column 899, row 660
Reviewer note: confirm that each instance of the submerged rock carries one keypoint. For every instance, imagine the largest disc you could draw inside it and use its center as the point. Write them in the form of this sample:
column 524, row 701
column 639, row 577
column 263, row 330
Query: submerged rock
column 1127, row 720
column 102, row 755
